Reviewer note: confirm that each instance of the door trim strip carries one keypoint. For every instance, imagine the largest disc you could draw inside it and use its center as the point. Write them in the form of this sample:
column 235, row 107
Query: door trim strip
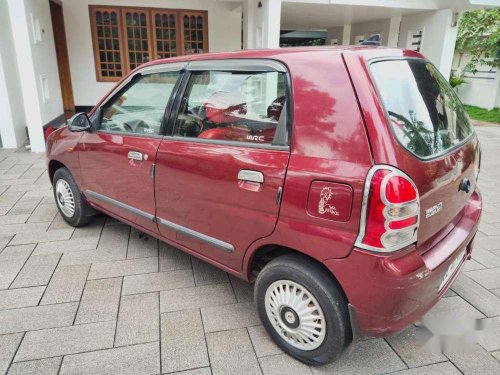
column 120, row 205
column 227, row 247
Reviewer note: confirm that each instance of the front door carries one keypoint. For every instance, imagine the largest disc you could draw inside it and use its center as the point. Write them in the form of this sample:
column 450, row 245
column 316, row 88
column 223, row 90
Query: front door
column 220, row 173
column 117, row 160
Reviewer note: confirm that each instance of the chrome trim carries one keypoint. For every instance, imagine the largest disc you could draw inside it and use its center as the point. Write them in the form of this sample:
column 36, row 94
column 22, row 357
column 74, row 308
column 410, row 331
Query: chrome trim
column 244, row 65
column 252, row 176
column 227, row 247
column 266, row 146
column 364, row 210
column 120, row 205
column 135, row 155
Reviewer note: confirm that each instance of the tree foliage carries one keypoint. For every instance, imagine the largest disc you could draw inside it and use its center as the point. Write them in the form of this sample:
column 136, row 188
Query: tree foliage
column 479, row 38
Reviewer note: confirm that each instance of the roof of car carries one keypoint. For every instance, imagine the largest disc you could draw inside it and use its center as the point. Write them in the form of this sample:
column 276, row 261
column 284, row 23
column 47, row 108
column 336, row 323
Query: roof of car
column 283, row 53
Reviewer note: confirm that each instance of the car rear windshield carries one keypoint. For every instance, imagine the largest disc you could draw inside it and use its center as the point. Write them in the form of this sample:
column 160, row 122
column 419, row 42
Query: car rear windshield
column 424, row 111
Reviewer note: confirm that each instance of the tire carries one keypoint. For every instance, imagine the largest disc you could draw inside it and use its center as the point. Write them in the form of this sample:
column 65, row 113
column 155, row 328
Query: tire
column 79, row 212
column 301, row 273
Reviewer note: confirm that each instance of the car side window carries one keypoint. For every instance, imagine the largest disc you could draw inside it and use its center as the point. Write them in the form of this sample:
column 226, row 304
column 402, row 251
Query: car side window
column 233, row 106
column 140, row 107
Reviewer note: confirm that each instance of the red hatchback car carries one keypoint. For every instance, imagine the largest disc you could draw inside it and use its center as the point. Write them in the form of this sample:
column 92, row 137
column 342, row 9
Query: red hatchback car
column 341, row 180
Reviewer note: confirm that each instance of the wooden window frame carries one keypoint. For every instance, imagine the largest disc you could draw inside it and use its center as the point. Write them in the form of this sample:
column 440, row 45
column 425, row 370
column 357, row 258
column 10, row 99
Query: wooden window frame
column 151, row 28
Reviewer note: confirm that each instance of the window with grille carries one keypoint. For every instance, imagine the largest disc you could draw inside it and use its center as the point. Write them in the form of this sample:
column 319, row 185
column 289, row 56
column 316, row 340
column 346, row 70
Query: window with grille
column 126, row 37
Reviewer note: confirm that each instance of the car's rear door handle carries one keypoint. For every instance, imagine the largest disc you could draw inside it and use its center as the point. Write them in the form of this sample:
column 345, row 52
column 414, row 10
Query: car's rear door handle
column 251, row 176
column 135, row 155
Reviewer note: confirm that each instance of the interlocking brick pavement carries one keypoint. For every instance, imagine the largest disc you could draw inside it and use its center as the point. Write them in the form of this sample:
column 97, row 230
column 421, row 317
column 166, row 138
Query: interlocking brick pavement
column 107, row 299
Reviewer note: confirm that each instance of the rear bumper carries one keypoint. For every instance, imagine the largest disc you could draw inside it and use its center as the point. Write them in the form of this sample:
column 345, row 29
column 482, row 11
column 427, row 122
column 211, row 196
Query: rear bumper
column 388, row 293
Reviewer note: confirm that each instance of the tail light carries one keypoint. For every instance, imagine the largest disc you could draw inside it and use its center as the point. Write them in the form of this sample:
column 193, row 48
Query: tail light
column 391, row 210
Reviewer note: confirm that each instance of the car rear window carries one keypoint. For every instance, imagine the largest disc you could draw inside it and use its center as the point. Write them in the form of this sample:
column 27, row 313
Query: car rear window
column 424, row 111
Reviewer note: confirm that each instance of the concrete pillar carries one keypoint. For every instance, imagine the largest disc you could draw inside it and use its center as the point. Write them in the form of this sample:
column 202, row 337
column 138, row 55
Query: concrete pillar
column 346, row 35
column 267, row 23
column 438, row 38
column 249, row 34
column 13, row 124
column 394, row 31
column 28, row 79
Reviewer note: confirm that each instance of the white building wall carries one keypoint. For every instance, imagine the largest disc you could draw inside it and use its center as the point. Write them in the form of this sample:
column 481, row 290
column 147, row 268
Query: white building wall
column 372, row 27
column 34, row 62
column 224, row 34
column 481, row 89
column 334, row 33
column 13, row 125
column 439, row 37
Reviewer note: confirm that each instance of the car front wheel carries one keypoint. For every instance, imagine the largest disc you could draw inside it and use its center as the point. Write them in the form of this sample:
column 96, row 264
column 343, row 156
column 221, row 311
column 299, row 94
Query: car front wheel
column 73, row 208
column 303, row 309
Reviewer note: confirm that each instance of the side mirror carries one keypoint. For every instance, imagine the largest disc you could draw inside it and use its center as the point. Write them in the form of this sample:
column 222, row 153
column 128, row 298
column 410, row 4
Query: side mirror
column 79, row 123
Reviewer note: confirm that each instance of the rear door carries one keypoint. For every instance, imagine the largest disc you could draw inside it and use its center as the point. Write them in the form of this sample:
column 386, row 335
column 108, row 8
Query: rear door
column 437, row 144
column 118, row 158
column 220, row 173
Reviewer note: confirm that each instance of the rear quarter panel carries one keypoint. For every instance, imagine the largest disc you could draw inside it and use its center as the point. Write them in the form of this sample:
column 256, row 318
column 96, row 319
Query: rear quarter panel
column 329, row 143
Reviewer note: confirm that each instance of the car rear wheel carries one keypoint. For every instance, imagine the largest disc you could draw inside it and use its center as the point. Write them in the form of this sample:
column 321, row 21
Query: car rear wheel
column 73, row 208
column 303, row 309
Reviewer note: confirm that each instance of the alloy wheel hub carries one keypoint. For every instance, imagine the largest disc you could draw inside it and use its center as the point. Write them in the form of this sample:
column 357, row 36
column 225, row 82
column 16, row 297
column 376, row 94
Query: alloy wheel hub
column 65, row 198
column 295, row 314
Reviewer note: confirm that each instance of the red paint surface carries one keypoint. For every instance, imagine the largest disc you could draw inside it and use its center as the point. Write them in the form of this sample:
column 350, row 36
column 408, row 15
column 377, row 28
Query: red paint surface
column 334, row 140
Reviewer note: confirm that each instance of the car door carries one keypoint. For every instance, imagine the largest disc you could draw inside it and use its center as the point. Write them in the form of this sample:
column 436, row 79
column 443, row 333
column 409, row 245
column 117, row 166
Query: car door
column 118, row 159
column 221, row 170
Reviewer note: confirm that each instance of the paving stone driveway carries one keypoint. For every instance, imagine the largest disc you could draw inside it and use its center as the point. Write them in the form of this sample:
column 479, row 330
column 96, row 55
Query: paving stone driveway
column 108, row 299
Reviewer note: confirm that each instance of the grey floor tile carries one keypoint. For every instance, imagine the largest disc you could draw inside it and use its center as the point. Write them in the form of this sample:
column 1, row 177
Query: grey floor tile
column 123, row 268
column 47, row 366
column 154, row 282
column 91, row 230
column 172, row 259
column 478, row 296
column 183, row 343
column 412, row 352
column 66, row 284
column 8, row 348
column 262, row 342
column 490, row 338
column 43, row 213
column 51, row 235
column 78, row 244
column 489, row 278
column 444, row 368
column 66, row 340
column 226, row 317
column 485, row 257
column 37, row 271
column 197, row 297
column 138, row 319
column 100, row 301
column 13, row 219
column 474, row 360
column 12, row 259
column 114, row 236
column 37, row 317
column 198, row 371
column 75, row 258
column 205, row 274
column 231, row 352
column 366, row 357
column 141, row 245
column 133, row 360
column 283, row 365
column 242, row 289
column 24, row 297
column 472, row 265
column 23, row 228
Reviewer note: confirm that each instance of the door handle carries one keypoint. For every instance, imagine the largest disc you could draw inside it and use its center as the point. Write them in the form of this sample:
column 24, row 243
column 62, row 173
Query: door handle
column 135, row 155
column 251, row 176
